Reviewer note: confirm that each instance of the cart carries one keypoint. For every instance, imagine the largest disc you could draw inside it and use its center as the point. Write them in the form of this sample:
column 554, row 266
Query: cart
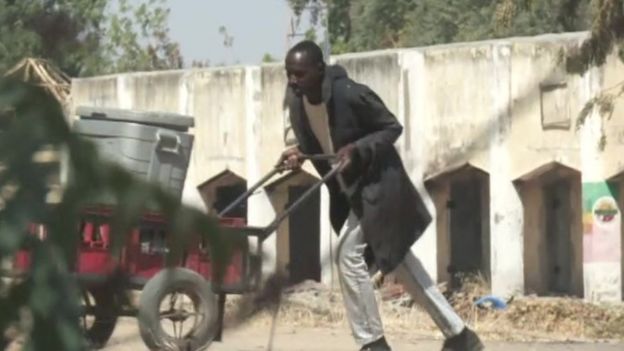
column 180, row 307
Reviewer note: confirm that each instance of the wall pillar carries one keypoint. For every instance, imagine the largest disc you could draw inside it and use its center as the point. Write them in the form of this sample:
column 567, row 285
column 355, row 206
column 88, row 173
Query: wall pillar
column 329, row 240
column 506, row 212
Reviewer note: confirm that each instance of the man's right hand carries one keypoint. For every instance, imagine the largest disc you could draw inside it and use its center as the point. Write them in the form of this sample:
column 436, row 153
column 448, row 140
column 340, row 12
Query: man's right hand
column 292, row 158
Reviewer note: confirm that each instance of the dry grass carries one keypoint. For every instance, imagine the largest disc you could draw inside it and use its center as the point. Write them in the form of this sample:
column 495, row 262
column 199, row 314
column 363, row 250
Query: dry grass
column 543, row 318
column 525, row 319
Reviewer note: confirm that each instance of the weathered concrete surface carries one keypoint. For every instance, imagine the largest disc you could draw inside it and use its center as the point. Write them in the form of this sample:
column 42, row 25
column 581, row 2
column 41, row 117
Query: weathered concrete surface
column 379, row 70
column 97, row 92
column 145, row 88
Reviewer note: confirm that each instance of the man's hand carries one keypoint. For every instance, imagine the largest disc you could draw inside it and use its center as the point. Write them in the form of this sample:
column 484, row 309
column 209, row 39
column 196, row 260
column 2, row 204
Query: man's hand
column 344, row 155
column 291, row 158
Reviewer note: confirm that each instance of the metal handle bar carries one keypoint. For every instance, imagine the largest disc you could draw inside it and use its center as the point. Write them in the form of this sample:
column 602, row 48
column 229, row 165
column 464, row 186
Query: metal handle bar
column 319, row 157
column 290, row 209
column 277, row 169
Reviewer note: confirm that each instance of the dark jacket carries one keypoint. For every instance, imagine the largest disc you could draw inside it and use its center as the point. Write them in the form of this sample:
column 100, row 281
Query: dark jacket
column 392, row 214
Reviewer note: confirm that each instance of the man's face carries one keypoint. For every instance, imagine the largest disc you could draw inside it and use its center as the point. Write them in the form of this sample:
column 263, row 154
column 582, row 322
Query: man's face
column 304, row 76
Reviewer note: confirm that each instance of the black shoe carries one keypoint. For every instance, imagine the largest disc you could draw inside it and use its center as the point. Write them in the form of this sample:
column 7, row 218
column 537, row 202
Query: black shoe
column 378, row 345
column 467, row 340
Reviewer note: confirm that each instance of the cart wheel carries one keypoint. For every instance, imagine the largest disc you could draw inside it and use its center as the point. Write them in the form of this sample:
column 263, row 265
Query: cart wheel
column 177, row 311
column 99, row 315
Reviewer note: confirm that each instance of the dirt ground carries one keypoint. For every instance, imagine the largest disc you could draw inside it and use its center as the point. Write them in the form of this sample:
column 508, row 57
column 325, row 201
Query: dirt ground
column 255, row 338
column 312, row 318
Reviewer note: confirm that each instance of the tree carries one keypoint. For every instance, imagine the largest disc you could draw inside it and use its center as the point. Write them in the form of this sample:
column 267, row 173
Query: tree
column 137, row 39
column 228, row 42
column 606, row 35
column 200, row 63
column 339, row 19
column 357, row 25
column 531, row 17
column 87, row 37
column 63, row 31
column 268, row 58
column 379, row 24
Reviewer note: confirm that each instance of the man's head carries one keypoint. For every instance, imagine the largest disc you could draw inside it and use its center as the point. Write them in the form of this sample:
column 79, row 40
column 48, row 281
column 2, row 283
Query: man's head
column 305, row 68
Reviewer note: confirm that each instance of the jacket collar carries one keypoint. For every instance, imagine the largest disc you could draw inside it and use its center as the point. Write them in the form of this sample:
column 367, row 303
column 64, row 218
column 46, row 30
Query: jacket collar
column 332, row 73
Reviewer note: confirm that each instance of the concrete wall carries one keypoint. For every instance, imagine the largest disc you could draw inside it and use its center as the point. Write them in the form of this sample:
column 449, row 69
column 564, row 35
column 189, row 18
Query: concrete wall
column 445, row 108
column 379, row 70
column 504, row 106
column 440, row 193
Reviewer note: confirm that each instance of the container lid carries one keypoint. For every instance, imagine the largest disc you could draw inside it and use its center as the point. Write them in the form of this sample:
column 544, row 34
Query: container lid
column 129, row 130
column 154, row 118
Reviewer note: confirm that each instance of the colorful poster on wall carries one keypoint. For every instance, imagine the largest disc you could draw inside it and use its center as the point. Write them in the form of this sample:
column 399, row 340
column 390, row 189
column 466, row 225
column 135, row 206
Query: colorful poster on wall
column 602, row 228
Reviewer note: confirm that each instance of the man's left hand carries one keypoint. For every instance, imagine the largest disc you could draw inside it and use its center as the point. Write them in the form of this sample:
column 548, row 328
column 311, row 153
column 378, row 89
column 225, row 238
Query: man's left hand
column 344, row 156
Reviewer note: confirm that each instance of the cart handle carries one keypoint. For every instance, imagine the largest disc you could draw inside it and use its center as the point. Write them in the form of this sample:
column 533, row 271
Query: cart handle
column 277, row 169
column 276, row 222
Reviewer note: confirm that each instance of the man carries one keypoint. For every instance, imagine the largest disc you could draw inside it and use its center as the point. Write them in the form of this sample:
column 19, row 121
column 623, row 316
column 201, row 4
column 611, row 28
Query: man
column 372, row 199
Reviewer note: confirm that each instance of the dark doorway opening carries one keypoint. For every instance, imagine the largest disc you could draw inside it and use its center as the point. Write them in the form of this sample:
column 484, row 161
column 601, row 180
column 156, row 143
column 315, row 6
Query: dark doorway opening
column 221, row 190
column 305, row 237
column 557, row 244
column 553, row 225
column 466, row 229
column 226, row 194
column 462, row 198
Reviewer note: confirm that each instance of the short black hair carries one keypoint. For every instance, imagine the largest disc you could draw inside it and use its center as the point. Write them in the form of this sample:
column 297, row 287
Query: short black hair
column 311, row 49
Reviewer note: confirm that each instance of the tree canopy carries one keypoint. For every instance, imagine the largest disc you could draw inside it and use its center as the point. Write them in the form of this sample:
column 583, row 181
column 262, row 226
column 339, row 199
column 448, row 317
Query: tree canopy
column 88, row 37
column 358, row 25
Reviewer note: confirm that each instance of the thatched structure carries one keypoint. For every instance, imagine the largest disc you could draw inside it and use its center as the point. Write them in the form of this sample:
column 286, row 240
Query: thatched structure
column 44, row 74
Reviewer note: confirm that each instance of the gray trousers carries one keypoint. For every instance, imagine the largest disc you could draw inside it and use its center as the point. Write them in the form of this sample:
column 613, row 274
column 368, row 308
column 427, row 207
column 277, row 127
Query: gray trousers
column 358, row 291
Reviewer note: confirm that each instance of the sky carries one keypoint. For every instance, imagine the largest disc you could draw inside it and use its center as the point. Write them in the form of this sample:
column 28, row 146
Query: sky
column 258, row 27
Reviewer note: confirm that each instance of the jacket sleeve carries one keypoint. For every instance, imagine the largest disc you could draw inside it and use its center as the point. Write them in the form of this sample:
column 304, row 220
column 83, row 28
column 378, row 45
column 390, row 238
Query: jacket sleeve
column 381, row 127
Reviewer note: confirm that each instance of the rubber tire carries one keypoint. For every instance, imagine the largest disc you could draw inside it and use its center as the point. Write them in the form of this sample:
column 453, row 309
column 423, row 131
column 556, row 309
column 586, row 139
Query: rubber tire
column 106, row 315
column 156, row 289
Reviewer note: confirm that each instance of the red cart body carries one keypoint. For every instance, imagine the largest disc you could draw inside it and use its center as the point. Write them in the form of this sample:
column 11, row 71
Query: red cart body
column 141, row 263
column 143, row 253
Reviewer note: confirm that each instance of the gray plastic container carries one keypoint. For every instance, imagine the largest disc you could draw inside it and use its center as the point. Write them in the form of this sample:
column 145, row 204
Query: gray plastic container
column 154, row 146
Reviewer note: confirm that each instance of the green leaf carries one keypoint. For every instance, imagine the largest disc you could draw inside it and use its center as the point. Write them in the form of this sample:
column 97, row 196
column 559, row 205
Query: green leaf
column 49, row 293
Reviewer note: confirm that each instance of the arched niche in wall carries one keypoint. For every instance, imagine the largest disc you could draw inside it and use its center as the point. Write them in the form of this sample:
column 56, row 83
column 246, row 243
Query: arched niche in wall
column 462, row 198
column 553, row 230
column 221, row 190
